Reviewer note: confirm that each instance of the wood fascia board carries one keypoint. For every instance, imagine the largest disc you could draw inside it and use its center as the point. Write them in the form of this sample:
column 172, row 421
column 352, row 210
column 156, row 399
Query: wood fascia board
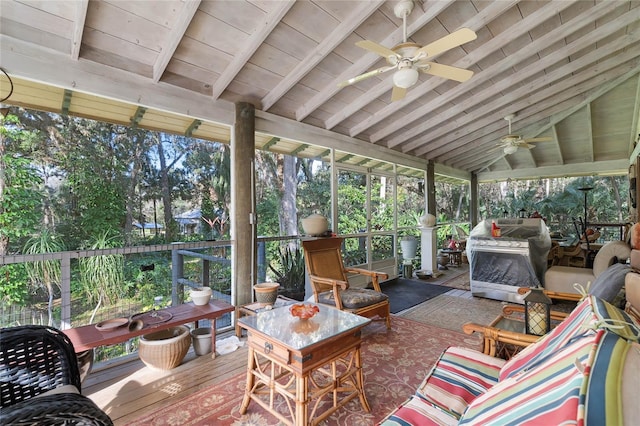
column 255, row 40
column 487, row 14
column 35, row 63
column 368, row 59
column 326, row 46
column 305, row 133
column 81, row 7
column 506, row 84
column 176, row 34
column 605, row 168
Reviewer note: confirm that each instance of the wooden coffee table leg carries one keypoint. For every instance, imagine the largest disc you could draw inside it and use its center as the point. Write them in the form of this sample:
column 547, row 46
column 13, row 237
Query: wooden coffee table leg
column 301, row 400
column 251, row 365
column 360, row 381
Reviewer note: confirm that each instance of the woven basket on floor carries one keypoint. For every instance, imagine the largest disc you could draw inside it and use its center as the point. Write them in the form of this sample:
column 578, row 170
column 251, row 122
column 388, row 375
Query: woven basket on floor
column 164, row 350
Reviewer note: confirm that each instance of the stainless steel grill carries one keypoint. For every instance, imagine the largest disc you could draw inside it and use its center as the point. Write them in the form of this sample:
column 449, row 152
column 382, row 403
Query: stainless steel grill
column 518, row 258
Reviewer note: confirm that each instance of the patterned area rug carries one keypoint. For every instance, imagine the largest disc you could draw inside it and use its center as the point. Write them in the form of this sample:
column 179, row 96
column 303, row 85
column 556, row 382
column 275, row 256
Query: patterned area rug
column 394, row 364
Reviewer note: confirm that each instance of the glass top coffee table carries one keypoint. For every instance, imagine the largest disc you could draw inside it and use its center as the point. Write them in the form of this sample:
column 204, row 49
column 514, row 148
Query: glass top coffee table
column 304, row 365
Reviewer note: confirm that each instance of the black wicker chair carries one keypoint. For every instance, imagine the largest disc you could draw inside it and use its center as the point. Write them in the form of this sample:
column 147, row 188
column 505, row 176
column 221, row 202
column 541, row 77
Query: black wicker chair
column 35, row 360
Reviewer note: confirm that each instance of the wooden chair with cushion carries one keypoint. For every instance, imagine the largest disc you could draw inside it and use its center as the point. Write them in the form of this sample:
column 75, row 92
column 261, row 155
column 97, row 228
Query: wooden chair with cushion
column 328, row 276
column 40, row 380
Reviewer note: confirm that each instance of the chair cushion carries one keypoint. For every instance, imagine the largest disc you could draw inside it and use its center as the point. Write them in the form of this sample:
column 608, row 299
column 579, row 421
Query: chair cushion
column 608, row 284
column 353, row 298
column 562, row 278
column 583, row 321
column 417, row 412
column 547, row 393
column 459, row 376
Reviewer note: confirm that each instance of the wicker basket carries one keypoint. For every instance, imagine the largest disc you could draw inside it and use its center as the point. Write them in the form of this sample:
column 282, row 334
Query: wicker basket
column 164, row 350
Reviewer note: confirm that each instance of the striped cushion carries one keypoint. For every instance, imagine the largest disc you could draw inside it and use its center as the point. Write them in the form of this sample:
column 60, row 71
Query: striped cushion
column 591, row 313
column 548, row 394
column 417, row 412
column 603, row 400
column 459, row 376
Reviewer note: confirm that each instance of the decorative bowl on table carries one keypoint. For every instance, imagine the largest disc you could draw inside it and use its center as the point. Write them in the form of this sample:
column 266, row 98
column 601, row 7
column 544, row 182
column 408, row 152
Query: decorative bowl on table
column 304, row 311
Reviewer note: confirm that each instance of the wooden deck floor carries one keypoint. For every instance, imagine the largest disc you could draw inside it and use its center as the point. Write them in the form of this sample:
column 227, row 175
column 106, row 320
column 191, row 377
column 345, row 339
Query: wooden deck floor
column 129, row 390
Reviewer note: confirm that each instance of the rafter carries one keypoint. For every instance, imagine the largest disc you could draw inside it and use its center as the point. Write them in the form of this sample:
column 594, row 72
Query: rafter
column 176, row 34
column 315, row 56
column 78, row 27
column 253, row 43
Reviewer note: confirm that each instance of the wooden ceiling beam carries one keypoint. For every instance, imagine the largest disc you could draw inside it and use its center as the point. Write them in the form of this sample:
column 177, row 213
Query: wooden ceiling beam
column 256, row 39
column 78, row 27
column 174, row 37
column 325, row 47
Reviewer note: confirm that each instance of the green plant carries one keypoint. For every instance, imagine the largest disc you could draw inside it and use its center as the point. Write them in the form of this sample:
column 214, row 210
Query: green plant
column 290, row 271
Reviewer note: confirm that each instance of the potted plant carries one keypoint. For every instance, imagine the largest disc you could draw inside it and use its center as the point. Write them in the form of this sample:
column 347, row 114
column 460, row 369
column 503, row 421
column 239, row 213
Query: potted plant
column 290, row 273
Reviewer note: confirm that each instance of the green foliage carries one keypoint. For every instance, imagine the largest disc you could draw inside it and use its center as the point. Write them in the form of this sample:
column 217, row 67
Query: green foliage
column 21, row 199
column 103, row 276
column 13, row 284
column 290, row 269
column 44, row 272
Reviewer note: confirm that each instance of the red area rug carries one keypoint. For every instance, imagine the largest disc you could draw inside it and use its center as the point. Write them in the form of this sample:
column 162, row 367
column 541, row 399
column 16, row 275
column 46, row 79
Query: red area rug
column 395, row 362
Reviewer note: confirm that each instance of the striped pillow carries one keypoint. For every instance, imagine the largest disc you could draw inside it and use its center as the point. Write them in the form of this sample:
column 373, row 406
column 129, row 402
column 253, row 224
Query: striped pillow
column 459, row 376
column 548, row 394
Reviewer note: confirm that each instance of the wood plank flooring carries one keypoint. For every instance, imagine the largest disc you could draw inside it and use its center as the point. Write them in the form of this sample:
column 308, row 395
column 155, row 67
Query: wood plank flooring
column 129, row 390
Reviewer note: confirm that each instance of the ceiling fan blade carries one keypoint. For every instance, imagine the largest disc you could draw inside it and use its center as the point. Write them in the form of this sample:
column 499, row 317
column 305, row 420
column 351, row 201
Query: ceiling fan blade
column 376, row 48
column 541, row 139
column 366, row 75
column 446, row 71
column 398, row 93
column 447, row 42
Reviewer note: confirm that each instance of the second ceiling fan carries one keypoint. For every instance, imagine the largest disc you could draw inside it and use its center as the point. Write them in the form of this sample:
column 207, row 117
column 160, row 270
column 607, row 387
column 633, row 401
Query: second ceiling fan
column 510, row 143
column 408, row 59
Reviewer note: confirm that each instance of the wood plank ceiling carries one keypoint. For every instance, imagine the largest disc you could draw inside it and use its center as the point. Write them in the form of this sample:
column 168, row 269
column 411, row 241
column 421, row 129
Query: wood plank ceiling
column 569, row 70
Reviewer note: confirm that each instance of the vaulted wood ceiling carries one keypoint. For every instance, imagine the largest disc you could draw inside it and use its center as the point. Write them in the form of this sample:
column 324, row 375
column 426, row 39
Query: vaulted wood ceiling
column 569, row 70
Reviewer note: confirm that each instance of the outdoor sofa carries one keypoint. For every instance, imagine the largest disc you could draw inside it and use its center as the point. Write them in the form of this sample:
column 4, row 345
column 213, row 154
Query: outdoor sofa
column 585, row 371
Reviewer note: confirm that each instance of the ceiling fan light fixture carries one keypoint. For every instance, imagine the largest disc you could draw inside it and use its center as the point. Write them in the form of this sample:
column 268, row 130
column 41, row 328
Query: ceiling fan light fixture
column 510, row 149
column 405, row 78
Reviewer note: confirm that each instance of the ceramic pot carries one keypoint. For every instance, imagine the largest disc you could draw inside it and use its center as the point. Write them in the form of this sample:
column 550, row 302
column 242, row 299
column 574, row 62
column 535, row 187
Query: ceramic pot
column 409, row 247
column 266, row 292
column 315, row 225
column 165, row 349
column 201, row 295
column 427, row 221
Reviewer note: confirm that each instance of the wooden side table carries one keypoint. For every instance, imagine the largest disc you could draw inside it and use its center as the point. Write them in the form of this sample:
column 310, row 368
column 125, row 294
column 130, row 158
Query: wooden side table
column 313, row 367
column 455, row 256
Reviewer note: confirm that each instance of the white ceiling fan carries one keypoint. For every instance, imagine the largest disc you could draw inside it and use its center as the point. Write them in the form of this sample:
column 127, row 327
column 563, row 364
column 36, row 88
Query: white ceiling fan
column 510, row 143
column 410, row 58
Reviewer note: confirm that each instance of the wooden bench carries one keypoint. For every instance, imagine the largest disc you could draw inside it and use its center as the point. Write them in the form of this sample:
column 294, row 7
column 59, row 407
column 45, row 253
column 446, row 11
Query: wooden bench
column 89, row 337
